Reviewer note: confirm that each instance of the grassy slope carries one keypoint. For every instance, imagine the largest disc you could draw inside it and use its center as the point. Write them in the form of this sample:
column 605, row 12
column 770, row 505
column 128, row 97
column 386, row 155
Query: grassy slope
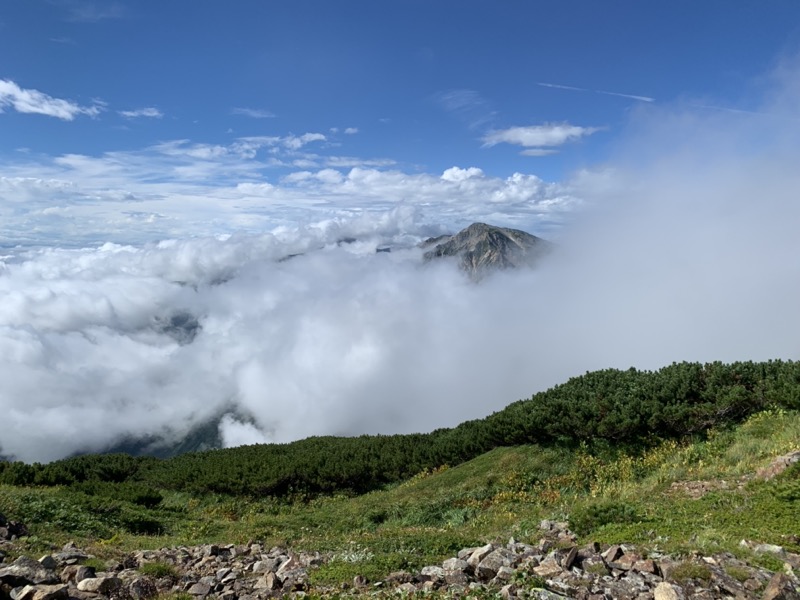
column 500, row 494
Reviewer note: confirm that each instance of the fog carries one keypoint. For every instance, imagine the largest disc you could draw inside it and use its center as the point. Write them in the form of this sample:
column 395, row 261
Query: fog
column 686, row 249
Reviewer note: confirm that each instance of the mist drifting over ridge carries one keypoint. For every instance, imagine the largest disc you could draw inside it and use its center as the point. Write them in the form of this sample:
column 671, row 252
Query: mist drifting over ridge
column 684, row 248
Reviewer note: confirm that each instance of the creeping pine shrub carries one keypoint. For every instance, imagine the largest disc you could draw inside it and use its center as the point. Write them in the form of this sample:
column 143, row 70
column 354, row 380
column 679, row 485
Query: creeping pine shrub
column 788, row 491
column 62, row 512
column 586, row 519
column 135, row 493
column 787, row 486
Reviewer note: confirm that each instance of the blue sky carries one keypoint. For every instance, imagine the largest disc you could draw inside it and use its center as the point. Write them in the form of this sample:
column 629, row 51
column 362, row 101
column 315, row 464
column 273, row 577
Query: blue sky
column 172, row 104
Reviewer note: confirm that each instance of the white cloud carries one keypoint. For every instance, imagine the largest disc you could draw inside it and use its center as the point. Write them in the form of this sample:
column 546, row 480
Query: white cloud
column 296, row 142
column 351, row 130
column 205, row 189
column 325, row 176
column 538, row 136
column 458, row 174
column 298, row 176
column 36, row 102
column 253, row 113
column 149, row 112
column 331, row 176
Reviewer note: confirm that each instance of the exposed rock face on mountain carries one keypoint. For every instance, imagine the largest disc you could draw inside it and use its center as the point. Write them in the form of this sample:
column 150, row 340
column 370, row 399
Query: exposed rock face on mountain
column 481, row 248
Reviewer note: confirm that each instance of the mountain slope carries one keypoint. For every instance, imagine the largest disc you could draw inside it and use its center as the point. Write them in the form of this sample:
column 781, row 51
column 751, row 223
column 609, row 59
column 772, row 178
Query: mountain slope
column 481, row 247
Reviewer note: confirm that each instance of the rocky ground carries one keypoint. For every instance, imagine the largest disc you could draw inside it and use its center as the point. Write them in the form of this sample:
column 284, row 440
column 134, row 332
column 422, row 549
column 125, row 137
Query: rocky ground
column 552, row 568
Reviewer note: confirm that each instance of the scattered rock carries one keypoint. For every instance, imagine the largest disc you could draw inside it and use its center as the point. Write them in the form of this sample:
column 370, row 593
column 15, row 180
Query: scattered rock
column 478, row 554
column 199, row 589
column 592, row 572
column 665, row 591
column 100, row 585
column 781, row 587
column 778, row 466
column 26, row 571
column 11, row 530
column 43, row 592
column 769, row 549
column 142, row 588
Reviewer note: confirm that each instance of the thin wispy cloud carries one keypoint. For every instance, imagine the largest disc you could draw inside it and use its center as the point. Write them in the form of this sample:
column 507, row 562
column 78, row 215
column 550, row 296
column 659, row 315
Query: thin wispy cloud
column 538, row 140
column 467, row 105
column 538, row 152
column 149, row 112
column 346, row 131
column 35, row 102
column 741, row 111
column 253, row 113
column 92, row 11
column 607, row 93
column 354, row 161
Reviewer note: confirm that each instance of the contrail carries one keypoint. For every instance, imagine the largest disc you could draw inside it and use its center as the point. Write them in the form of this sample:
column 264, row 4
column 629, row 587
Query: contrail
column 632, row 96
column 579, row 89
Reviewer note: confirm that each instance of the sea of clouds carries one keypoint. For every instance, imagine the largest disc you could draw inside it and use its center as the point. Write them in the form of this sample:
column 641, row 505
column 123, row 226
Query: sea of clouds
column 683, row 247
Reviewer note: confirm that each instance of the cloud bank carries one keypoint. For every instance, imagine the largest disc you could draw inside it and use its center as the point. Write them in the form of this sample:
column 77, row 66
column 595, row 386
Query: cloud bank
column 685, row 249
column 177, row 189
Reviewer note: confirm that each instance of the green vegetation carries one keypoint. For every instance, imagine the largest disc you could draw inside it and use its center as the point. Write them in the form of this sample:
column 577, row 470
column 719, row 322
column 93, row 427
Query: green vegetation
column 605, row 409
column 158, row 569
column 686, row 571
column 405, row 508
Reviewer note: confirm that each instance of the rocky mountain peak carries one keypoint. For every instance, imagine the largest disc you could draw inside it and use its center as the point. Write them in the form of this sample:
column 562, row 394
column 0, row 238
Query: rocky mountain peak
column 481, row 247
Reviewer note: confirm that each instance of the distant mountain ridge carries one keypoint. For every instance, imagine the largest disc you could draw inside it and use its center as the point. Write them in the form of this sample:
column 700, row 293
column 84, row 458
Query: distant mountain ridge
column 481, row 248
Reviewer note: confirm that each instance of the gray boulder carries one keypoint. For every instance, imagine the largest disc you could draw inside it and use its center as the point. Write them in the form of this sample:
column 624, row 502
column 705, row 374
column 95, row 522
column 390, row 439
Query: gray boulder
column 26, row 571
column 43, row 592
column 100, row 585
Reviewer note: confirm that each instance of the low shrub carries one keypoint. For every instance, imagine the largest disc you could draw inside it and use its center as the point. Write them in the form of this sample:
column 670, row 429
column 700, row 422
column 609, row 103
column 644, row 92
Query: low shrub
column 158, row 570
column 686, row 571
column 586, row 519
